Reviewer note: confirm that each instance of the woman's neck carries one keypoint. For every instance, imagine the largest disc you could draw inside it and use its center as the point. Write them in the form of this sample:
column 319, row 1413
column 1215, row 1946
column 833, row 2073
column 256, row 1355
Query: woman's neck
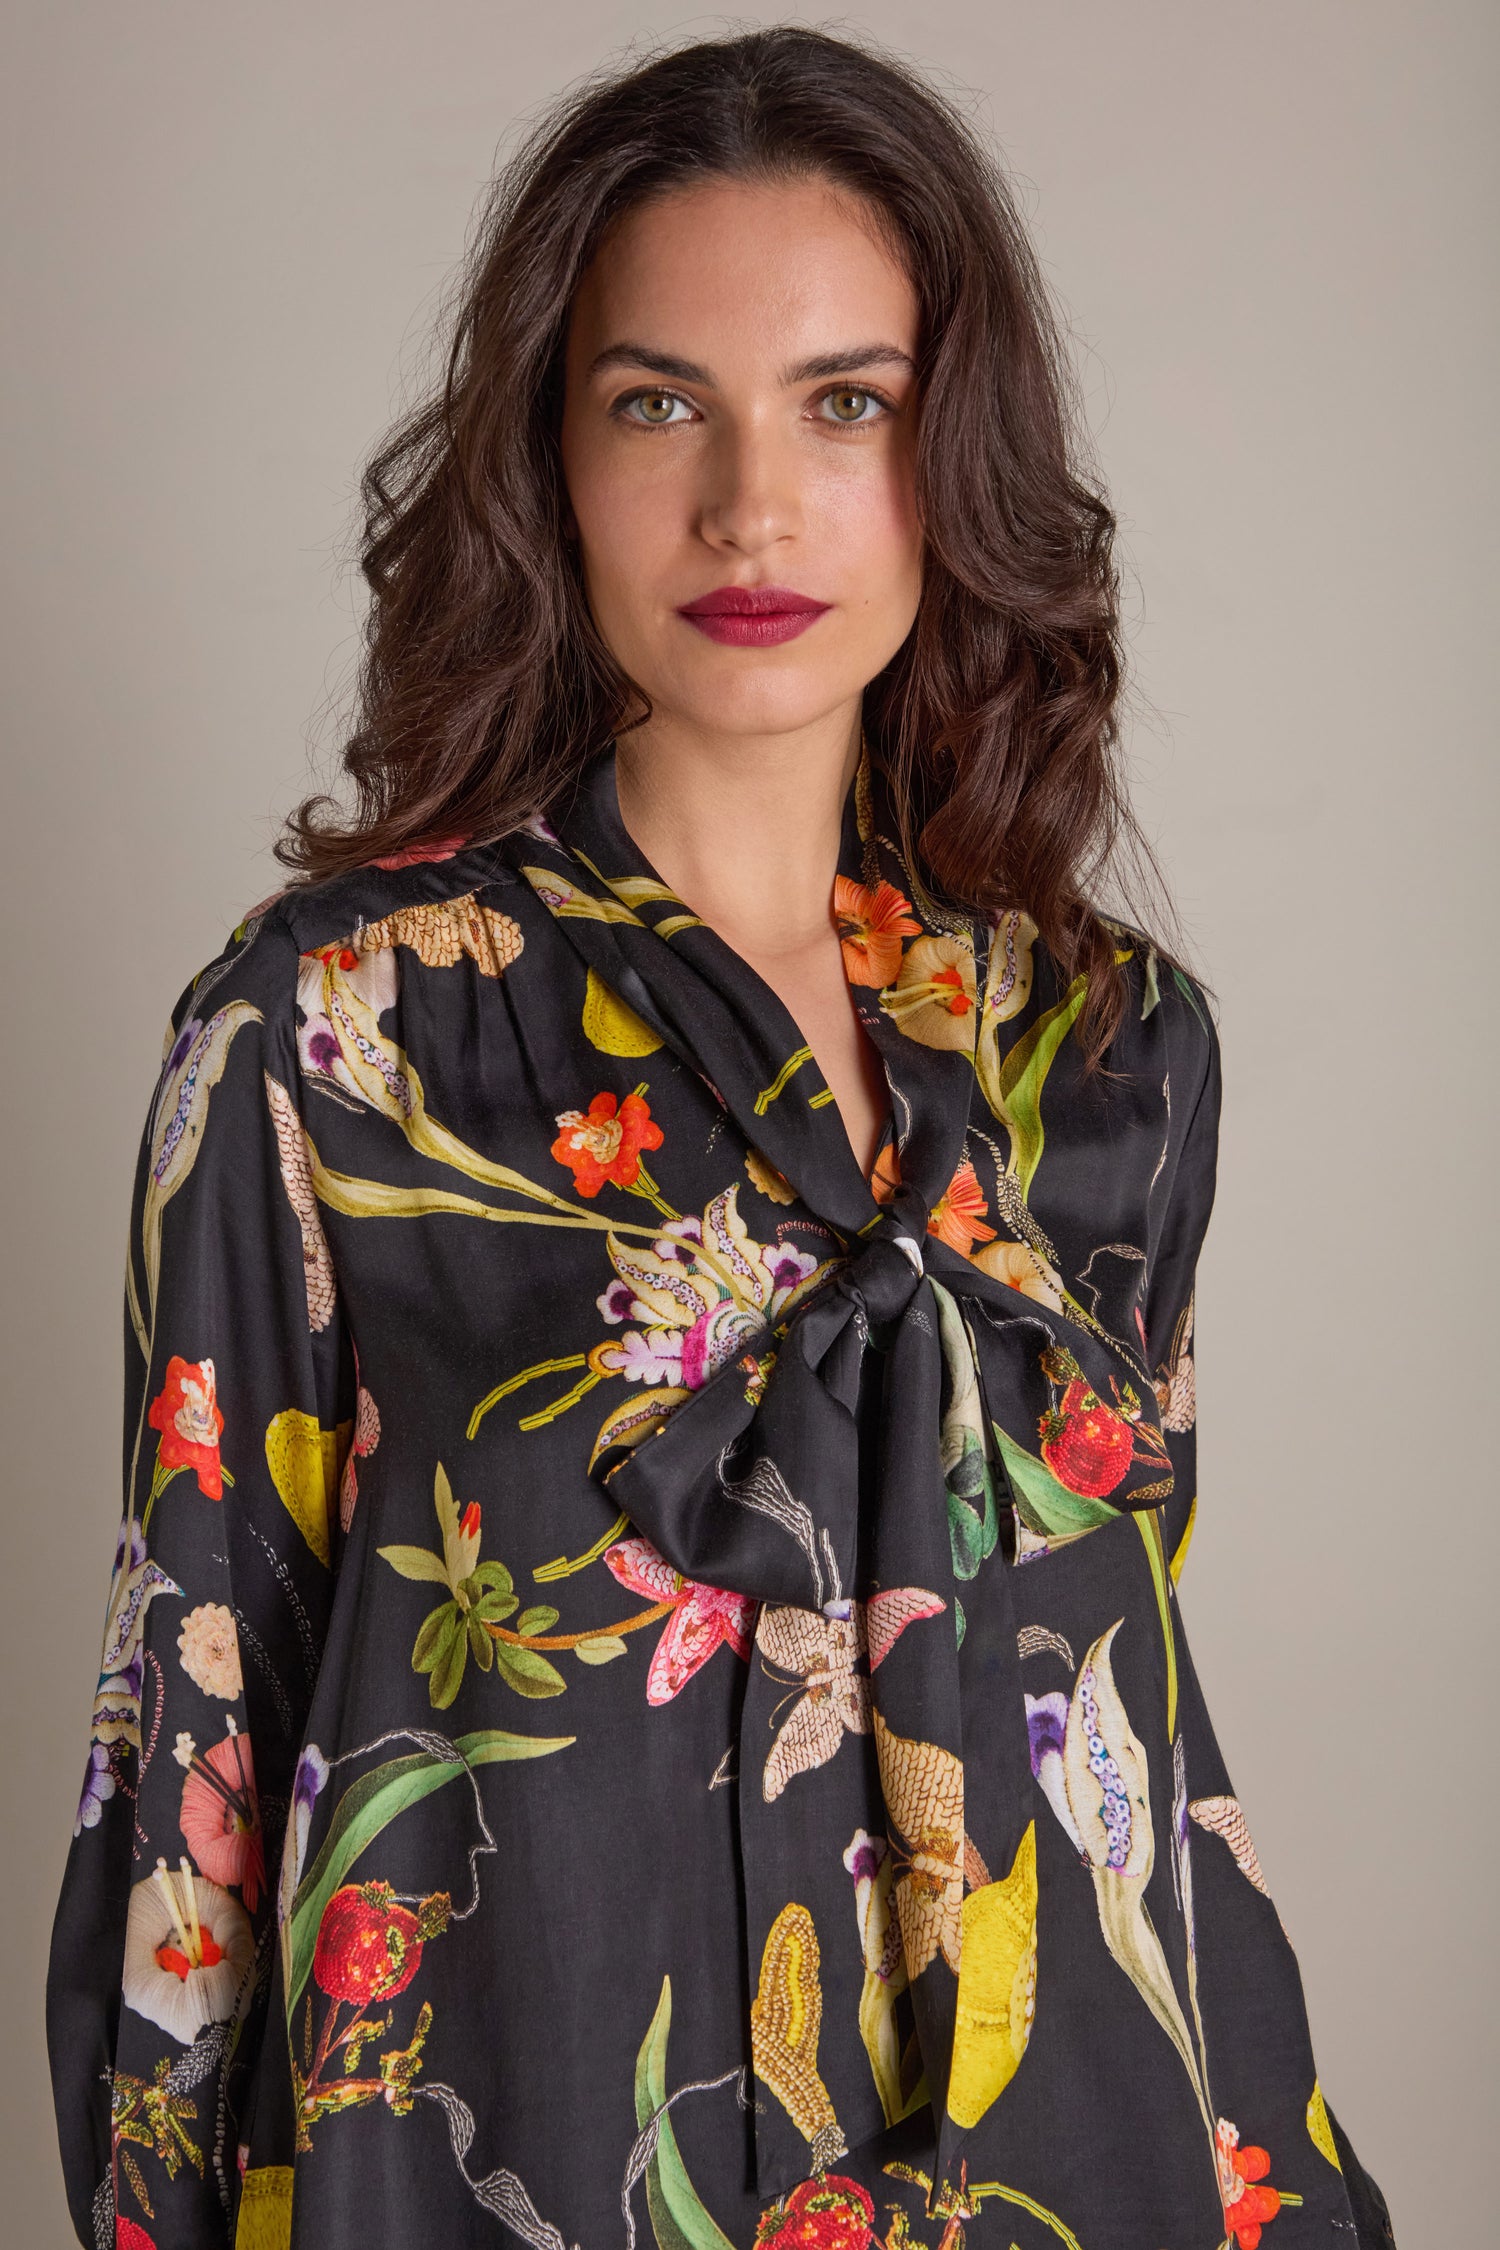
column 747, row 834
column 746, row 830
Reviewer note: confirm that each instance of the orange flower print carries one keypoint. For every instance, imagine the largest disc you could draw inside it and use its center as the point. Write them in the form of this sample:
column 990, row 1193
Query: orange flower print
column 1247, row 2205
column 605, row 1142
column 885, row 1173
column 958, row 1215
column 186, row 1411
column 872, row 924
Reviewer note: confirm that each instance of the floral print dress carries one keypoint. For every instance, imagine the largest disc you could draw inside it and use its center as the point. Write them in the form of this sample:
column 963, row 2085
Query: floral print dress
column 643, row 1698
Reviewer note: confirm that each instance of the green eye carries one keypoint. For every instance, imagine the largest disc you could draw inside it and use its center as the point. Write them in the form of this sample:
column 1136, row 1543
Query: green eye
column 849, row 405
column 655, row 406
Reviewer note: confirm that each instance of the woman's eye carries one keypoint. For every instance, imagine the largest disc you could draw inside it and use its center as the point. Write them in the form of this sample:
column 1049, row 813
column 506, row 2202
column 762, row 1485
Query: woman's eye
column 851, row 405
column 655, row 407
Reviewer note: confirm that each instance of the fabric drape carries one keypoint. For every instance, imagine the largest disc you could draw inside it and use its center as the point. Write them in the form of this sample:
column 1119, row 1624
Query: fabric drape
column 643, row 1691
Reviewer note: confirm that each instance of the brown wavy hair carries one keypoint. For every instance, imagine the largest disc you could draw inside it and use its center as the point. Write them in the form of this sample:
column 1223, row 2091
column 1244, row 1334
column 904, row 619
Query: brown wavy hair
column 483, row 683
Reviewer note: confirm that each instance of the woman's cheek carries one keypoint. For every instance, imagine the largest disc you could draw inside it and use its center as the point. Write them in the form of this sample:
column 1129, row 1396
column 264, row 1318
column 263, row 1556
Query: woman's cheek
column 867, row 522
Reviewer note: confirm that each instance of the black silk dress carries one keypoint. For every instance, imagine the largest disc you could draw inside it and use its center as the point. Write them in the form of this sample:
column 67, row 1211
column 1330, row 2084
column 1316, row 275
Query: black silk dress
column 643, row 1698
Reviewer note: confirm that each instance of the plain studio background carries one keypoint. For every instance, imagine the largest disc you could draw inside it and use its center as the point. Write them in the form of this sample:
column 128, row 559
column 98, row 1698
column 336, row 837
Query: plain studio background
column 1272, row 228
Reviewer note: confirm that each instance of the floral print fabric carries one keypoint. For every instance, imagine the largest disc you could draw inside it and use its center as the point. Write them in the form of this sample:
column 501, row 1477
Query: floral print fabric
column 642, row 1695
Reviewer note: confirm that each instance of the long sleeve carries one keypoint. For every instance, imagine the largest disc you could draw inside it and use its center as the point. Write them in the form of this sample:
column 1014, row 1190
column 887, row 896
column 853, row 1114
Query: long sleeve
column 238, row 1398
column 1185, row 1195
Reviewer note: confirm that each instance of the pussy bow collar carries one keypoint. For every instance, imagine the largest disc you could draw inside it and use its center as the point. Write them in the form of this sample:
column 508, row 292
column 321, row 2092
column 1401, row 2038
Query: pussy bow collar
column 816, row 1472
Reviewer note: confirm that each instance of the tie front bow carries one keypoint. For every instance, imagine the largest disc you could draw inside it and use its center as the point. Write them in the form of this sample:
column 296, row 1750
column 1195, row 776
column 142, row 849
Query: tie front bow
column 811, row 1479
column 753, row 1483
column 853, row 1468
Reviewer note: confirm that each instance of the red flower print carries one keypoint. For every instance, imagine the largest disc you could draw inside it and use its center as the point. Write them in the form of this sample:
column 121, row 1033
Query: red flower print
column 1247, row 2206
column 831, row 2213
column 369, row 1946
column 955, row 997
column 872, row 924
column 441, row 847
column 958, row 1215
column 186, row 1411
column 606, row 1143
column 704, row 1617
column 1085, row 1443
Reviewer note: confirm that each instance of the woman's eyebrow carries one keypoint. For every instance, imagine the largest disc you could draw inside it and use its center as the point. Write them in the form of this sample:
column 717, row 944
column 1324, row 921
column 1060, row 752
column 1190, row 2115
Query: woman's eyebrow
column 839, row 363
column 675, row 370
column 659, row 362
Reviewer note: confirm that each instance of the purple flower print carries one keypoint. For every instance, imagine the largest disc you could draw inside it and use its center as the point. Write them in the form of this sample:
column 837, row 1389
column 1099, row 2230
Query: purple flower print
column 98, row 1785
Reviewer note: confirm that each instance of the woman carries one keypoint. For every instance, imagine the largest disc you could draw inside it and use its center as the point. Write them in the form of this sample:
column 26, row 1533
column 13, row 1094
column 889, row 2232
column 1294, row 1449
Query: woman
column 643, row 1694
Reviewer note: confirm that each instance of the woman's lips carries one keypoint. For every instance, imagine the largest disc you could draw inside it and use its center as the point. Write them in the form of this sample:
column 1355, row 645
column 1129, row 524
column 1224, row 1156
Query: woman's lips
column 753, row 616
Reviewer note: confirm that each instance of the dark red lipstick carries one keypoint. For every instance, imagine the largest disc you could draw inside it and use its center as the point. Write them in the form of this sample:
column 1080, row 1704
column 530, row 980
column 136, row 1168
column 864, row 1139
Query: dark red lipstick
column 753, row 616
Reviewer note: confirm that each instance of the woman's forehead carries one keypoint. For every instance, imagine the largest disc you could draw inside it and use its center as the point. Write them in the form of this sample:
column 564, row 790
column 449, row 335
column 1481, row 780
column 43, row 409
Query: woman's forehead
column 776, row 272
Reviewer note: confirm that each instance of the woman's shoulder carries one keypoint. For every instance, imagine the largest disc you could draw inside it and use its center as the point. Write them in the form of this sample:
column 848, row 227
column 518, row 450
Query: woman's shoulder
column 1166, row 1004
column 433, row 899
column 431, row 882
column 1166, row 1035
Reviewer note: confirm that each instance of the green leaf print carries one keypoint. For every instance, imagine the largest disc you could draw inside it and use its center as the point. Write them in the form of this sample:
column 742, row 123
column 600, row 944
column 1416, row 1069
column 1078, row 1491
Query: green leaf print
column 972, row 1529
column 526, row 1671
column 370, row 1804
column 1013, row 1087
column 678, row 2217
column 1043, row 1504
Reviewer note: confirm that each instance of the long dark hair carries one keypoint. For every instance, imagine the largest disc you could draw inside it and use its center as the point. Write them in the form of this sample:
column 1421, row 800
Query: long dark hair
column 484, row 684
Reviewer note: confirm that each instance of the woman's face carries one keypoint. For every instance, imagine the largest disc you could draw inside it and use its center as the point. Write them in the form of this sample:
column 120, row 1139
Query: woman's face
column 739, row 420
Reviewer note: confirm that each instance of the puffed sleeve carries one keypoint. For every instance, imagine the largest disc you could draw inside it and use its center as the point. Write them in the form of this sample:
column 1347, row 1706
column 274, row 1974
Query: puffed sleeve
column 239, row 1402
column 1183, row 1200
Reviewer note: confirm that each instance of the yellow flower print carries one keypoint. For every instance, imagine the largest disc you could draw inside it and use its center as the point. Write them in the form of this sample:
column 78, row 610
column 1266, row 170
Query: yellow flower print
column 1021, row 1267
column 933, row 998
column 774, row 1185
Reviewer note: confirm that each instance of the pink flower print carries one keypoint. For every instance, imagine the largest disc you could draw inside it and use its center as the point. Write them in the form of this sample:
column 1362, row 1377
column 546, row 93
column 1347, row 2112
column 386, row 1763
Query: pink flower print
column 221, row 1812
column 652, row 1356
column 716, row 1337
column 366, row 1438
column 702, row 1616
column 619, row 1303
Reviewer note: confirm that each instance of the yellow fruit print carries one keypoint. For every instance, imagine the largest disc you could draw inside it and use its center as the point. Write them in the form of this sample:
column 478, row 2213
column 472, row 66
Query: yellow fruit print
column 1319, row 2129
column 265, row 2220
column 996, row 1986
column 304, row 1463
column 610, row 1025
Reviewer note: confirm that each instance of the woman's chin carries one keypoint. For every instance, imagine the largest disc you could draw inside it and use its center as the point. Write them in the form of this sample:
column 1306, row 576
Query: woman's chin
column 716, row 689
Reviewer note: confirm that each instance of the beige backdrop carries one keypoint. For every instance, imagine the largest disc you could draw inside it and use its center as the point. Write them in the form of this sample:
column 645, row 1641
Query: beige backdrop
column 1272, row 226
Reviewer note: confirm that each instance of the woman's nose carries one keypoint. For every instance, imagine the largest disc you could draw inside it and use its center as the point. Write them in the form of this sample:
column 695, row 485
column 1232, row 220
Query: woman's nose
column 751, row 497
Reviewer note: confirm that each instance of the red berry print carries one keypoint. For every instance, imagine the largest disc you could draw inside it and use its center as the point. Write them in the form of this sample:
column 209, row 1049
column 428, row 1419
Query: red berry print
column 369, row 1946
column 1085, row 1443
column 831, row 2213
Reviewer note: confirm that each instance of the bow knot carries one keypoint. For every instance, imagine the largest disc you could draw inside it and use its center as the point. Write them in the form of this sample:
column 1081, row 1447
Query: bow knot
column 884, row 1274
